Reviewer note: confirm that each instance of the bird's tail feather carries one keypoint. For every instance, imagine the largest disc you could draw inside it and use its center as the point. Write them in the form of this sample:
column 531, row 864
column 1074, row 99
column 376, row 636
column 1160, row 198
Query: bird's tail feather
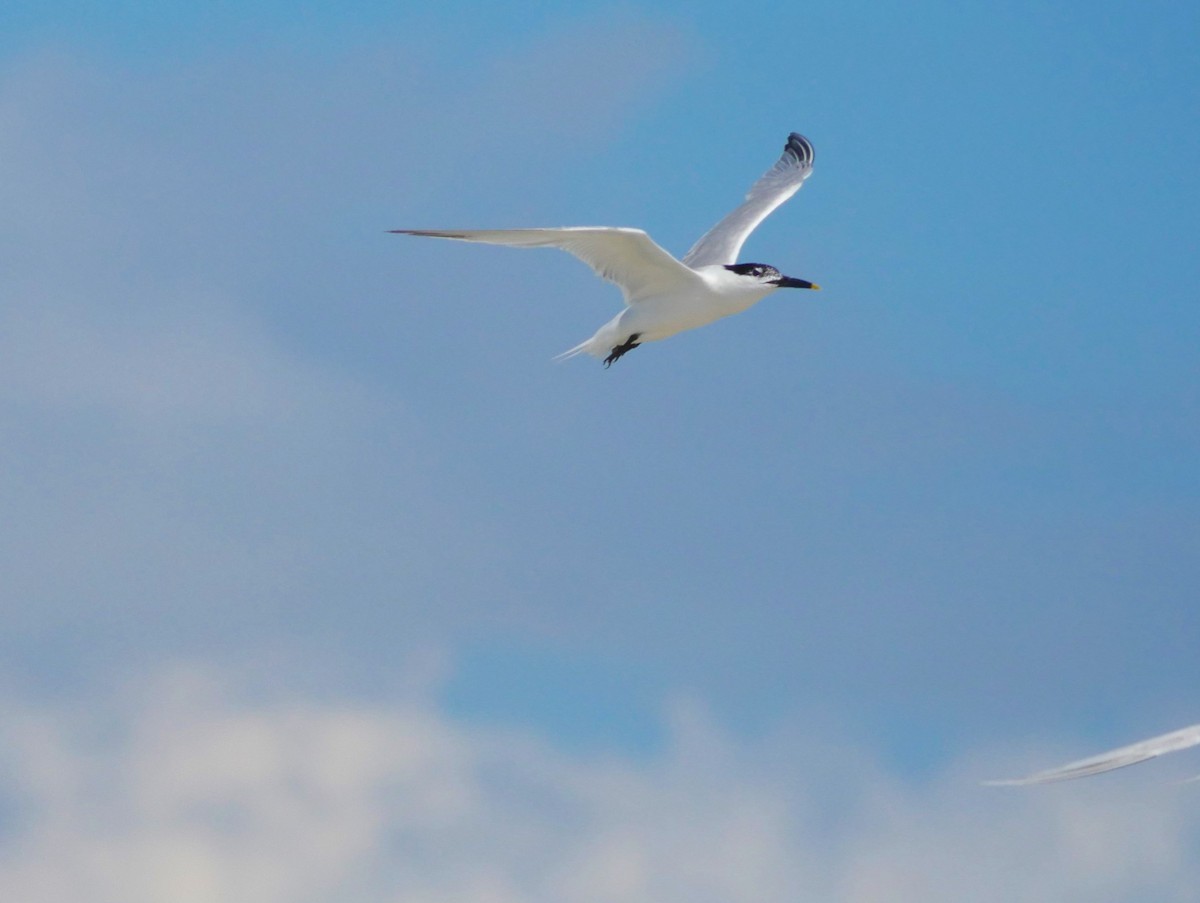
column 581, row 348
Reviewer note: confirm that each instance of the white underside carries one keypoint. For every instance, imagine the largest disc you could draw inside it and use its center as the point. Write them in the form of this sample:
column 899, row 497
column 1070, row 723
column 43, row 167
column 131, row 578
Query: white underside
column 655, row 318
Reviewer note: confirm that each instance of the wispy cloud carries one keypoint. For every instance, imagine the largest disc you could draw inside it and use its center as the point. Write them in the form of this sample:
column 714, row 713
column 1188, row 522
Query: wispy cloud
column 175, row 443
column 227, row 423
column 187, row 789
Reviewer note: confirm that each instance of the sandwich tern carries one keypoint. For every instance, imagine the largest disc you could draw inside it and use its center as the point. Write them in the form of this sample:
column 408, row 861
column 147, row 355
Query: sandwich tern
column 665, row 296
column 1114, row 758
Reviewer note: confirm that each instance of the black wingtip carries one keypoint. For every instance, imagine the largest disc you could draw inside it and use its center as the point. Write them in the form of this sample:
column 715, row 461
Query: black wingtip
column 800, row 148
column 425, row 232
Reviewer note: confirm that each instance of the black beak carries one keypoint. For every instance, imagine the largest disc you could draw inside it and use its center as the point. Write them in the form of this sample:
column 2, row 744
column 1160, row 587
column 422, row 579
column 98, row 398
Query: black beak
column 789, row 282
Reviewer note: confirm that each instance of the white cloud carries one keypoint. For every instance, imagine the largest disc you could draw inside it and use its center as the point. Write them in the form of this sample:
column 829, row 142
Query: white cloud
column 167, row 460
column 184, row 790
column 175, row 447
column 182, row 463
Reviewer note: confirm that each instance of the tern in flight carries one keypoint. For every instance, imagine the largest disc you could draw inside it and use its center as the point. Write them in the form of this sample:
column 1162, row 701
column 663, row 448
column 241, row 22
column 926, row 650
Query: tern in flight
column 665, row 296
column 1115, row 758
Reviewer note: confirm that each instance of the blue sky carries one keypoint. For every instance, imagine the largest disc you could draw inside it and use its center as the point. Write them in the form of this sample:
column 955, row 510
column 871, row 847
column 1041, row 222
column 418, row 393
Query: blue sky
column 933, row 525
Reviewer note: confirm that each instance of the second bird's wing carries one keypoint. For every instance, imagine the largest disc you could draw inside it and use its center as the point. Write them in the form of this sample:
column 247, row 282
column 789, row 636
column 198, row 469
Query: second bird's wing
column 627, row 257
column 1115, row 758
column 721, row 243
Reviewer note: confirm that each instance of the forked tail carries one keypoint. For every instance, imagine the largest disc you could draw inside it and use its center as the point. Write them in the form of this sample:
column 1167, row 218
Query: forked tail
column 581, row 348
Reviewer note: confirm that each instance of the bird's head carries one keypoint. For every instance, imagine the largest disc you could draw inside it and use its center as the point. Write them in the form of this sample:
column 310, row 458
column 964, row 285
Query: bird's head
column 767, row 275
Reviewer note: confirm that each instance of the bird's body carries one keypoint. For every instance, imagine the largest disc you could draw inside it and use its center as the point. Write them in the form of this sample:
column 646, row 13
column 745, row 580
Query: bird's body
column 665, row 296
column 720, row 293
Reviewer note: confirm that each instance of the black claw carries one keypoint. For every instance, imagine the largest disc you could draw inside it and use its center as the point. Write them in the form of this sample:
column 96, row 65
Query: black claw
column 619, row 350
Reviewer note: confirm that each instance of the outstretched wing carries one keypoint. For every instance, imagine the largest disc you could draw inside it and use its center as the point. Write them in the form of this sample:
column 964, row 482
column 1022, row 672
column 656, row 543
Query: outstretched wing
column 627, row 257
column 721, row 243
column 1116, row 758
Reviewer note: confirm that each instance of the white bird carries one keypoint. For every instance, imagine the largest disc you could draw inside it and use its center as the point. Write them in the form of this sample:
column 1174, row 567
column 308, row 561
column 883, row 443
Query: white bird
column 664, row 296
column 1115, row 758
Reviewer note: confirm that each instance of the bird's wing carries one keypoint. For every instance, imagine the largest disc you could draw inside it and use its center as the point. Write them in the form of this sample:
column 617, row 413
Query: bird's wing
column 1116, row 758
column 627, row 257
column 721, row 243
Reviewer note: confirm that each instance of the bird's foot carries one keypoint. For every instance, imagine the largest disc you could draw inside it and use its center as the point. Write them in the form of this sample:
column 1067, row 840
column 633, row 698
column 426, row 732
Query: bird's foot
column 630, row 343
